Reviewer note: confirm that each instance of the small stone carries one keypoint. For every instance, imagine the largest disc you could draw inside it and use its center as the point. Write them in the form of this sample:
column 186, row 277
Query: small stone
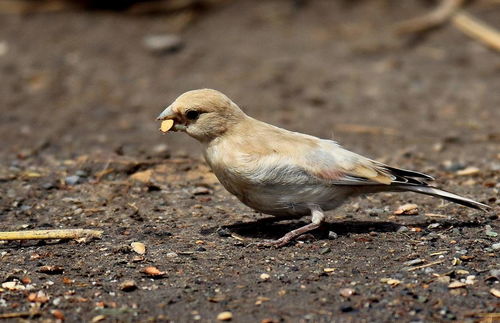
column 171, row 255
column 49, row 185
column 153, row 272
column 468, row 171
column 72, row 180
column 390, row 281
column 402, row 229
column 495, row 292
column 265, row 277
column 346, row 308
column 490, row 233
column 456, row 284
column 39, row 297
column 453, row 167
column 495, row 246
column 329, row 270
column 422, row 299
column 393, row 282
column 51, row 270
column 200, row 249
column 202, row 190
column 332, row 235
column 324, row 251
column 433, row 226
column 4, row 48
column 138, row 247
column 163, row 44
column 495, row 273
column 225, row 316
column 414, row 262
column 407, row 209
column 142, row 176
column 128, row 285
column 161, row 150
column 470, row 280
column 223, row 233
column 58, row 314
column 12, row 285
column 375, row 212
column 347, row 292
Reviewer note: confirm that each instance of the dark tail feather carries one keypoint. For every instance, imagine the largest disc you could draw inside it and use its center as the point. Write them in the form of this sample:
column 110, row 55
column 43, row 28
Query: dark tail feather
column 433, row 191
column 408, row 173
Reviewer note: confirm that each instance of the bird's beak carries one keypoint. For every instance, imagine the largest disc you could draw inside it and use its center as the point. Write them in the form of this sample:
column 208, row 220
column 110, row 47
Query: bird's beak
column 168, row 113
column 170, row 121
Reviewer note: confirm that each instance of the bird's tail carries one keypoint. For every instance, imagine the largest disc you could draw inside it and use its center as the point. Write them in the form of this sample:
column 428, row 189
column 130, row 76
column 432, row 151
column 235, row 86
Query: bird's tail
column 433, row 191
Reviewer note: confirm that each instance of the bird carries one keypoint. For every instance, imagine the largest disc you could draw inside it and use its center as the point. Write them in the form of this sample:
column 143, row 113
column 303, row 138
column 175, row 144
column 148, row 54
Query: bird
column 284, row 173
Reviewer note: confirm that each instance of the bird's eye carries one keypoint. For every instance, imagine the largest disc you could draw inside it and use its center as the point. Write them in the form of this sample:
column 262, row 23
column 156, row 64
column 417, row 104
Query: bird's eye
column 192, row 115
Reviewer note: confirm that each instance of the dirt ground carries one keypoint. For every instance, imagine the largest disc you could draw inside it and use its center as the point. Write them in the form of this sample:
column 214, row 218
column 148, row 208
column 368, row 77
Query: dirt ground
column 81, row 149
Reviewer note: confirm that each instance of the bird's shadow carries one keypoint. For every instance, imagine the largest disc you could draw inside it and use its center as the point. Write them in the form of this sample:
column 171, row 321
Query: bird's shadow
column 271, row 228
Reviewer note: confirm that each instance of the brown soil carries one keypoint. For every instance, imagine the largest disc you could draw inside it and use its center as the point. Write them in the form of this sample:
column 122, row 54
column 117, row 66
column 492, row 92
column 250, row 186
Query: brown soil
column 79, row 96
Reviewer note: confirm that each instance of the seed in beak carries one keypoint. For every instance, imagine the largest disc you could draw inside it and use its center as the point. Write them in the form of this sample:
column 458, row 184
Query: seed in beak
column 166, row 125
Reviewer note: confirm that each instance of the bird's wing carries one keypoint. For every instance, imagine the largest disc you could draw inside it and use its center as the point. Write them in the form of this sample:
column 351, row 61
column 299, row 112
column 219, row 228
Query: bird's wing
column 339, row 166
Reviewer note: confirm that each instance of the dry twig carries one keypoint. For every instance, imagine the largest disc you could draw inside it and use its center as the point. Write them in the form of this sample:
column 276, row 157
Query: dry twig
column 50, row 234
column 450, row 10
column 477, row 29
column 440, row 15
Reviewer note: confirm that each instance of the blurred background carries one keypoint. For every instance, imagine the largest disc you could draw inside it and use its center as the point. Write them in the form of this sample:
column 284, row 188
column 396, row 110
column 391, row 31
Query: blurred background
column 83, row 76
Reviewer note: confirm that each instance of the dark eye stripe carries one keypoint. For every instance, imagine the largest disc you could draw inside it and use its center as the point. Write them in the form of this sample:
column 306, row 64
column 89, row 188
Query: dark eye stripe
column 192, row 115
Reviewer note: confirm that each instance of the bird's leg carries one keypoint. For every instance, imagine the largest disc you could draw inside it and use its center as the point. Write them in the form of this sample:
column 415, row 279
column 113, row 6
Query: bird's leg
column 317, row 218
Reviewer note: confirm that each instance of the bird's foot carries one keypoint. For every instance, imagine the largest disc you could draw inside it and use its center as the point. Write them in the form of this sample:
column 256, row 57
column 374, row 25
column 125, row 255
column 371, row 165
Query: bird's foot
column 281, row 242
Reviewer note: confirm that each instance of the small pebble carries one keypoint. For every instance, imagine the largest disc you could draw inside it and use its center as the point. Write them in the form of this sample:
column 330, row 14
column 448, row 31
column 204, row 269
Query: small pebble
column 468, row 171
column 225, row 316
column 265, row 277
column 223, row 233
column 51, row 270
column 453, row 167
column 407, row 209
column 138, row 247
column 495, row 246
column 332, row 235
column 414, row 262
column 324, row 251
column 402, row 229
column 347, row 292
column 163, row 44
column 153, row 272
column 495, row 272
column 4, row 48
column 346, row 308
column 128, row 285
column 202, row 190
column 491, row 233
column 72, row 180
column 375, row 212
column 433, row 226
column 456, row 284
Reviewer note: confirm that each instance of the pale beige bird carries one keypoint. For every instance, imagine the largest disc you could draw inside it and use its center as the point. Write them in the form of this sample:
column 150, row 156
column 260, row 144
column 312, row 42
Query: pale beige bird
column 285, row 173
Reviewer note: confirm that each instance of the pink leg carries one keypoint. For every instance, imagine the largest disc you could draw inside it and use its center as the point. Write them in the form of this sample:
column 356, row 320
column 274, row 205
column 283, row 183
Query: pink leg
column 317, row 218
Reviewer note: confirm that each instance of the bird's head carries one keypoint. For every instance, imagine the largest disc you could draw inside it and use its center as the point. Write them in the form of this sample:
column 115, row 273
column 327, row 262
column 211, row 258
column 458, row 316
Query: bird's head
column 203, row 114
